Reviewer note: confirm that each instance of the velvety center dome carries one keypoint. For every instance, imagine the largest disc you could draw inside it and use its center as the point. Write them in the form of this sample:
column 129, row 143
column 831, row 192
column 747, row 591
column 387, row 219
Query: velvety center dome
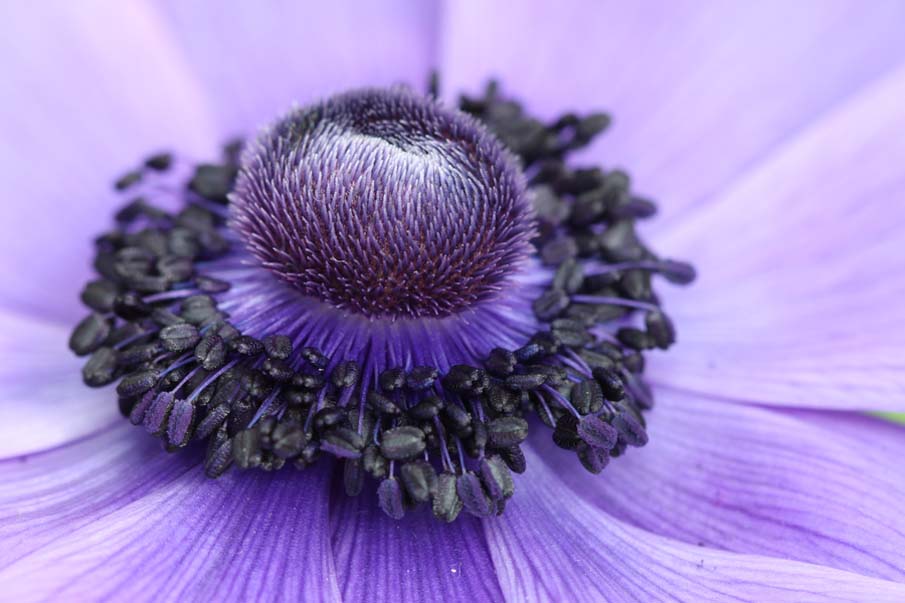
column 384, row 203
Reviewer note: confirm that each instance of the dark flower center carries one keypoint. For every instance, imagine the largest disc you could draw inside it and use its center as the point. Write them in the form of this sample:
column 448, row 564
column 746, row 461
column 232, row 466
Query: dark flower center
column 384, row 203
column 377, row 282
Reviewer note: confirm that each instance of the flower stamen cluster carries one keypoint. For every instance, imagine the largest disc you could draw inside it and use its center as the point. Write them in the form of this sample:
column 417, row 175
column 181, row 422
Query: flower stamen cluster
column 263, row 318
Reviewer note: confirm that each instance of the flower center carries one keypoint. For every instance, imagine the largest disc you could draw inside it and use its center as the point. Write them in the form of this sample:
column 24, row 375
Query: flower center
column 368, row 284
column 386, row 204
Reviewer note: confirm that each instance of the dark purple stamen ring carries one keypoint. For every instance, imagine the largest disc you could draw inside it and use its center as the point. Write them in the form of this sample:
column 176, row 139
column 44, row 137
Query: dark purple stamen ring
column 433, row 401
column 386, row 204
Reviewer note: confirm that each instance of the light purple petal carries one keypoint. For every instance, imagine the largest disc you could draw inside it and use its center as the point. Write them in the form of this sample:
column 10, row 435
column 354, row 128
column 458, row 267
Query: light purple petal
column 113, row 516
column 699, row 91
column 801, row 270
column 43, row 402
column 798, row 260
column 819, row 487
column 256, row 59
column 88, row 92
column 553, row 546
column 415, row 559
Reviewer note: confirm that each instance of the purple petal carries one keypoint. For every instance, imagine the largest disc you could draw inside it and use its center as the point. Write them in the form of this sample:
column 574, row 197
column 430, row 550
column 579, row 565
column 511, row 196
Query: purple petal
column 415, row 559
column 699, row 91
column 801, row 269
column 551, row 545
column 43, row 402
column 115, row 517
column 88, row 93
column 819, row 488
column 255, row 60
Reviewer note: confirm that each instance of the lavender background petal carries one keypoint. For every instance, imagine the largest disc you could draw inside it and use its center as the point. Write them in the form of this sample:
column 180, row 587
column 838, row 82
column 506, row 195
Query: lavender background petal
column 114, row 516
column 801, row 269
column 43, row 402
column 89, row 90
column 821, row 488
column 699, row 91
column 773, row 146
column 254, row 61
column 551, row 547
column 414, row 559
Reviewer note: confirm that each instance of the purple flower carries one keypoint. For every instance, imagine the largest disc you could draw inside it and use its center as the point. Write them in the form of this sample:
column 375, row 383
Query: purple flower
column 773, row 136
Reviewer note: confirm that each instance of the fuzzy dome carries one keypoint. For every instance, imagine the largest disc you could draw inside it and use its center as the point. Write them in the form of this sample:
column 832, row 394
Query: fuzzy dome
column 384, row 203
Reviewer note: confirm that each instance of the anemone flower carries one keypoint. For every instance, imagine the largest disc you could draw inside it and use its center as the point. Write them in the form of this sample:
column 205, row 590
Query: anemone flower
column 772, row 135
